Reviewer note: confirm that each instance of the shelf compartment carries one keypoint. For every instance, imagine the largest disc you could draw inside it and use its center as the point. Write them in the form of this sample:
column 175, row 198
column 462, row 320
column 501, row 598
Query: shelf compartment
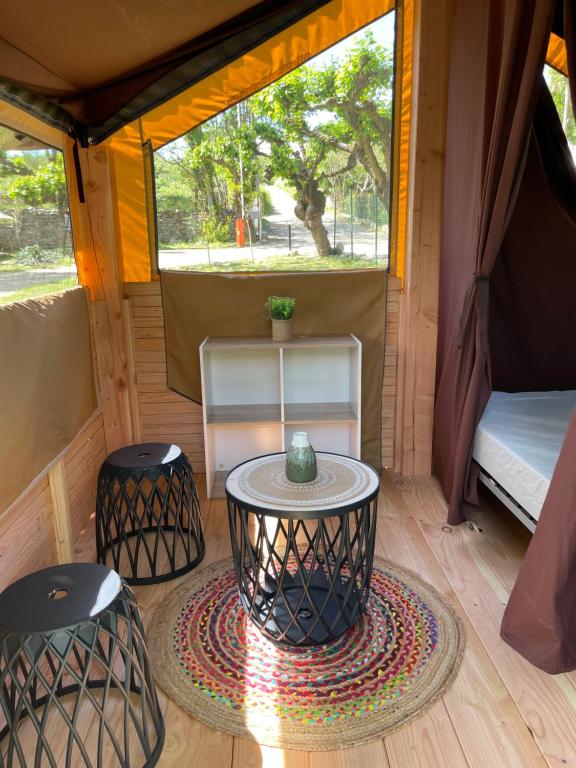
column 320, row 375
column 243, row 413
column 230, row 444
column 314, row 412
column 257, row 393
column 330, row 437
column 245, row 376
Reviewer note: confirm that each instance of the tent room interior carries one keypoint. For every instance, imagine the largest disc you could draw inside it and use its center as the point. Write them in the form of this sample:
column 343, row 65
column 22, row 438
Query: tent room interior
column 356, row 549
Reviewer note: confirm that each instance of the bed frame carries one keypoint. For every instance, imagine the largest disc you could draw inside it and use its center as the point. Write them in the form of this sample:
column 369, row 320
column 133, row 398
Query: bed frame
column 509, row 502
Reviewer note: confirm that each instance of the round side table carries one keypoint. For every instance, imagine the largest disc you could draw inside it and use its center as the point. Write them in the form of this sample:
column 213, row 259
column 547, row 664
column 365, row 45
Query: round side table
column 148, row 521
column 303, row 552
column 76, row 685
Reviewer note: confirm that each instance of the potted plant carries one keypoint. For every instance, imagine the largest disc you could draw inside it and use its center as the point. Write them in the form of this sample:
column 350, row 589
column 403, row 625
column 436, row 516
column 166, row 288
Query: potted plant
column 280, row 310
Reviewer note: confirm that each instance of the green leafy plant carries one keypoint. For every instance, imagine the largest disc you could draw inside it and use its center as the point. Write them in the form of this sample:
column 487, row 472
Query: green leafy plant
column 280, row 307
column 214, row 231
column 34, row 254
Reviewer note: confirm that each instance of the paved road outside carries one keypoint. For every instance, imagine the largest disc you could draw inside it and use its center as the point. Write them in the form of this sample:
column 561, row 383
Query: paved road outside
column 278, row 240
column 17, row 280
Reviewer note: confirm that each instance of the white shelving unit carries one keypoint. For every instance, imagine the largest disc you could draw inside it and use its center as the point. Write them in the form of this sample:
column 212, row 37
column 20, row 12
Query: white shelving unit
column 257, row 392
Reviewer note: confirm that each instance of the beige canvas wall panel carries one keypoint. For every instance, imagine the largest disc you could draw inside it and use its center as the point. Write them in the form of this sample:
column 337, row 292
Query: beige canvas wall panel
column 327, row 304
column 47, row 390
column 167, row 416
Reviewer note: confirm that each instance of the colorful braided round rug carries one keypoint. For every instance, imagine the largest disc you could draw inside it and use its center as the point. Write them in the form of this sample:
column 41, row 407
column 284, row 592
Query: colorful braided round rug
column 383, row 672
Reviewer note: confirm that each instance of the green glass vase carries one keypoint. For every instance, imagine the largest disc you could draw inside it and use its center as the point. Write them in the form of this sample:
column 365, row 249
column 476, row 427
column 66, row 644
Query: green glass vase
column 301, row 460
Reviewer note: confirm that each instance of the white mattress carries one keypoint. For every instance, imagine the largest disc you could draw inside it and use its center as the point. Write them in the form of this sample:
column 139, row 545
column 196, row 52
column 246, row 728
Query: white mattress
column 518, row 442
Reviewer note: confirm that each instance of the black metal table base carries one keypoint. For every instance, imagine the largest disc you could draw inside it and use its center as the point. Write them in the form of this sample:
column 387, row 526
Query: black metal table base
column 303, row 581
column 322, row 610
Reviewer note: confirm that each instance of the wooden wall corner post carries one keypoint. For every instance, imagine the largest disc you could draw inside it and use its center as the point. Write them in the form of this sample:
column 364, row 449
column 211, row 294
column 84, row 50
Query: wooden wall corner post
column 96, row 245
column 131, row 366
column 419, row 303
column 61, row 512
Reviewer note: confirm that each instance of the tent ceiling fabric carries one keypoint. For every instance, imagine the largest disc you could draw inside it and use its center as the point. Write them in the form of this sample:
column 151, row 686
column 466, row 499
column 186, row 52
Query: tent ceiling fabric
column 135, row 32
column 10, row 139
column 96, row 67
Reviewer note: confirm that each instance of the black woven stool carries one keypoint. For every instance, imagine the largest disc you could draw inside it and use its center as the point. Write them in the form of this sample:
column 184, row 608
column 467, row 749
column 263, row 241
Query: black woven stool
column 75, row 681
column 148, row 522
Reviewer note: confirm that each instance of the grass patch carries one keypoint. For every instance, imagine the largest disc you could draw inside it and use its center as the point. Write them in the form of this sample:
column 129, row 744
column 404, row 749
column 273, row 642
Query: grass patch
column 287, row 263
column 12, row 265
column 196, row 246
column 39, row 290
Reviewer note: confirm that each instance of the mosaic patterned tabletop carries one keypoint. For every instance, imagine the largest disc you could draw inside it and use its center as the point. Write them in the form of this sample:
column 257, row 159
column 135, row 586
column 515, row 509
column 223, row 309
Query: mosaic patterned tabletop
column 341, row 481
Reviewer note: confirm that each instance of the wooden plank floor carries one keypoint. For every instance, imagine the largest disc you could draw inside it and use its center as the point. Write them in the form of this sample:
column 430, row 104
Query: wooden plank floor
column 500, row 712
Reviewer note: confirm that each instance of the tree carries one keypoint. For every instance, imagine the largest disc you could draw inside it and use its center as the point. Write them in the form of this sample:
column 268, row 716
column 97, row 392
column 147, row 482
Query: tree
column 295, row 150
column 218, row 163
column 321, row 122
column 314, row 126
column 358, row 91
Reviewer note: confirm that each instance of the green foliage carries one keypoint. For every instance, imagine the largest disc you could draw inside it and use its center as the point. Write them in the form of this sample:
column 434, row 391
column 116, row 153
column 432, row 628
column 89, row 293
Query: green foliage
column 213, row 231
column 46, row 184
column 34, row 254
column 30, row 257
column 266, row 206
column 332, row 120
column 280, row 307
column 560, row 90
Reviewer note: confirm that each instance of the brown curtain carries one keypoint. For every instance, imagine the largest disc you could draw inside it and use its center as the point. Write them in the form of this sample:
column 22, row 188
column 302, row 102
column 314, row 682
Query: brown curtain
column 540, row 618
column 498, row 51
column 197, row 305
column 47, row 390
column 532, row 309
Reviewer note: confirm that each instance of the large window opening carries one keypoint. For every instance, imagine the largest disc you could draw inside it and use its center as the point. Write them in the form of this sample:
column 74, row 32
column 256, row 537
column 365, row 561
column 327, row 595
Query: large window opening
column 296, row 177
column 36, row 248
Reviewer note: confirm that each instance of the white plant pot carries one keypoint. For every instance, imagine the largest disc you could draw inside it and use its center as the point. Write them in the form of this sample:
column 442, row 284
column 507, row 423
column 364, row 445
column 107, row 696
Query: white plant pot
column 281, row 330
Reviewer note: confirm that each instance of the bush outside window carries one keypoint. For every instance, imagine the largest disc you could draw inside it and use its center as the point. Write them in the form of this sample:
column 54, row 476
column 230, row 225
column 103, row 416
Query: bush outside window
column 36, row 248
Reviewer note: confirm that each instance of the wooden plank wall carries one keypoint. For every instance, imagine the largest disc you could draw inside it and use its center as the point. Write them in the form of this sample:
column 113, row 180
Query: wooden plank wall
column 27, row 537
column 82, row 463
column 390, row 383
column 419, row 312
column 167, row 416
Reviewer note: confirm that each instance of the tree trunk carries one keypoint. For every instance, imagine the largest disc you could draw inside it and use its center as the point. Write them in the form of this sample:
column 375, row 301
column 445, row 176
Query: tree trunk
column 320, row 235
column 310, row 209
column 250, row 229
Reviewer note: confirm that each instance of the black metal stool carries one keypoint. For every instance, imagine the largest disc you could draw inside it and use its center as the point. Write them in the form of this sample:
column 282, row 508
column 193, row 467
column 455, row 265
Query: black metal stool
column 75, row 680
column 148, row 519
